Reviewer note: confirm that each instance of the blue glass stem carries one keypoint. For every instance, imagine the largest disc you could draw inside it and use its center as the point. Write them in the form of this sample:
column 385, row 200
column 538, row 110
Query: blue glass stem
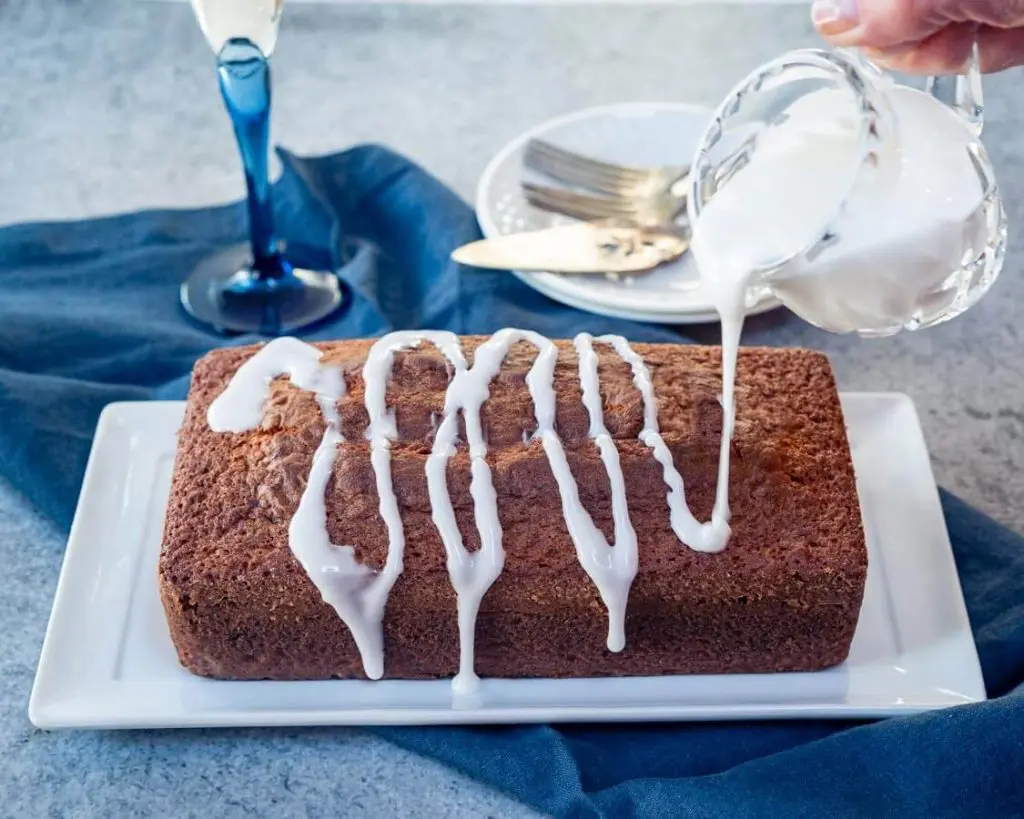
column 244, row 73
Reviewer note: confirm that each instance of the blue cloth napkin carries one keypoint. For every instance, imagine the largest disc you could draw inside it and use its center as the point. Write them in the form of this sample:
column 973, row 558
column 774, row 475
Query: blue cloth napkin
column 89, row 315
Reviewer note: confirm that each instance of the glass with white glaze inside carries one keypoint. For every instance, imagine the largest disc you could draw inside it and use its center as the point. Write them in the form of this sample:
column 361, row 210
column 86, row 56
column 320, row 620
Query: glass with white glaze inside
column 864, row 205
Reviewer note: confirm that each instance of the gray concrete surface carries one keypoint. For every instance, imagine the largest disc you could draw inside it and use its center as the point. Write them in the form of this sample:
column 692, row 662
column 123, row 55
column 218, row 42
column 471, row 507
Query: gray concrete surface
column 112, row 106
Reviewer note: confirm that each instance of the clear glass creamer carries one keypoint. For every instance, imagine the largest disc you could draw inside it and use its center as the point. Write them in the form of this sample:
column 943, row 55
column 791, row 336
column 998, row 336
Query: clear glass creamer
column 862, row 204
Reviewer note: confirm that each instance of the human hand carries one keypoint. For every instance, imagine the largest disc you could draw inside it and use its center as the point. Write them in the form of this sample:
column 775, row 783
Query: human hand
column 926, row 36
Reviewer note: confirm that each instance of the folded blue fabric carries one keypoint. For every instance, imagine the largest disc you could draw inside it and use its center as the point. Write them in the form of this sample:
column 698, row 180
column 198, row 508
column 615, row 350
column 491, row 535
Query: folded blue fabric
column 89, row 315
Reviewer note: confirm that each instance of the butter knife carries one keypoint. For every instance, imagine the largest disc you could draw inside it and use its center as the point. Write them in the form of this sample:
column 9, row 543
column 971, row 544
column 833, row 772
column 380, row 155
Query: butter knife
column 587, row 247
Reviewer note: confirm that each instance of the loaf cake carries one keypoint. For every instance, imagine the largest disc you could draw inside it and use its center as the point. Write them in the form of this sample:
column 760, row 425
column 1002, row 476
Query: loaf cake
column 351, row 431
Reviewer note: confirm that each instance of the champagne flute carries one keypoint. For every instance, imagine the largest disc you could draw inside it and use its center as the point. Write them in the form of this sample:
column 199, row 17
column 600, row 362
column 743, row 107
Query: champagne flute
column 255, row 287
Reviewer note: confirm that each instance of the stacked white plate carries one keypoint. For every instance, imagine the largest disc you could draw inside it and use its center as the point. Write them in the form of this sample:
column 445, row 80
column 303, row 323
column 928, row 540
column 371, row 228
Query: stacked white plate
column 641, row 134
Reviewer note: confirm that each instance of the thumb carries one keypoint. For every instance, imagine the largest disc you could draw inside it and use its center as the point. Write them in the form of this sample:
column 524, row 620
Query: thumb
column 885, row 24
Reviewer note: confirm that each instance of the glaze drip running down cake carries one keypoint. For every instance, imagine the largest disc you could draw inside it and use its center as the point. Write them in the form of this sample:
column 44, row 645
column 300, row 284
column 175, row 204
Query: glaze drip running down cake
column 426, row 506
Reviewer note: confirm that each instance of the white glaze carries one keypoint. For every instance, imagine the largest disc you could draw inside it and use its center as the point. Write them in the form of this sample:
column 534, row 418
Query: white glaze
column 617, row 563
column 903, row 229
column 711, row 536
column 240, row 407
column 352, row 590
column 471, row 574
column 909, row 222
column 358, row 594
column 611, row 569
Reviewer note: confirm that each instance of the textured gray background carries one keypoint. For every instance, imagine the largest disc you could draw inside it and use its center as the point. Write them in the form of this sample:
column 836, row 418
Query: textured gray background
column 111, row 106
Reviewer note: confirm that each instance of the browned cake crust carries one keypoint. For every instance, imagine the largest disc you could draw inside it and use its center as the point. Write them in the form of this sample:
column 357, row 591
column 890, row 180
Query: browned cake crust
column 783, row 596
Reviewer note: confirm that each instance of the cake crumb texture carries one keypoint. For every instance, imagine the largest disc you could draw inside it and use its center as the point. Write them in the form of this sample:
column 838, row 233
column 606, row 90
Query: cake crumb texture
column 783, row 596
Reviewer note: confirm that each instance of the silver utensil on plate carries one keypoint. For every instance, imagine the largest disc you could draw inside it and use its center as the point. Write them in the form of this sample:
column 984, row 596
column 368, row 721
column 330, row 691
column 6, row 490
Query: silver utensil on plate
column 607, row 247
column 661, row 209
column 650, row 196
column 608, row 178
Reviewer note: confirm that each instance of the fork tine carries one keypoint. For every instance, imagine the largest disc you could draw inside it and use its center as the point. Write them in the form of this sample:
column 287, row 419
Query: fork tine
column 576, row 205
column 578, row 175
column 606, row 203
column 603, row 177
column 585, row 163
column 573, row 175
column 658, row 210
column 565, row 210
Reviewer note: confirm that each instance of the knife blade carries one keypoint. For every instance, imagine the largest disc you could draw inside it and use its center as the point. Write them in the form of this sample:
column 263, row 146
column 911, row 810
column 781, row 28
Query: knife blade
column 587, row 247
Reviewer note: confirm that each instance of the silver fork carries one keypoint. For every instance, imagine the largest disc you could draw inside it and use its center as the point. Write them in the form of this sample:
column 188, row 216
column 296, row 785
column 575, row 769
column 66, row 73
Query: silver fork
column 604, row 177
column 621, row 202
column 661, row 209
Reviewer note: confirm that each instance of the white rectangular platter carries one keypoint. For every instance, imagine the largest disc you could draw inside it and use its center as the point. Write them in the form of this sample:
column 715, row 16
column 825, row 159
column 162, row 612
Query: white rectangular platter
column 108, row 662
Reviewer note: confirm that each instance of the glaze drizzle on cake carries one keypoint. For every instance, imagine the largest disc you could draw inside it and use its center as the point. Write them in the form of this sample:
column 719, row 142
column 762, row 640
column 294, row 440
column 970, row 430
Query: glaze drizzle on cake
column 359, row 595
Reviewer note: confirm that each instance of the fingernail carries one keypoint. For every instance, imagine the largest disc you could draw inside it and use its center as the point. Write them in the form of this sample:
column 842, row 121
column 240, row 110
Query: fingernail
column 834, row 17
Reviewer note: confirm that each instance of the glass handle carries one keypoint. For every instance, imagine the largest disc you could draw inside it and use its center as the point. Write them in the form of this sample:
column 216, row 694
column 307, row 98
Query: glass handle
column 962, row 93
column 244, row 73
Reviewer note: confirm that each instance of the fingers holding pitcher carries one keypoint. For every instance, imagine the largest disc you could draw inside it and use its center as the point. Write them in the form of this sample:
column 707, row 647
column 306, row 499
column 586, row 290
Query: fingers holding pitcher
column 926, row 36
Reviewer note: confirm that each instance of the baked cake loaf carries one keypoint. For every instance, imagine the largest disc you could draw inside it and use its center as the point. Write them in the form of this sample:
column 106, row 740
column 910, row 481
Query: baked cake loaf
column 783, row 595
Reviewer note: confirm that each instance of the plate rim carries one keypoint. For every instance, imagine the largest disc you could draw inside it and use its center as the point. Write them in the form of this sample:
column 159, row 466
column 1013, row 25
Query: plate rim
column 50, row 707
column 676, row 316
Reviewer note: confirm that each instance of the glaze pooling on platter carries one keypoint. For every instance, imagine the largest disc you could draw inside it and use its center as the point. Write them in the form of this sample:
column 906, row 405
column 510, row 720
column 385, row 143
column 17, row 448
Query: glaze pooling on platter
column 357, row 593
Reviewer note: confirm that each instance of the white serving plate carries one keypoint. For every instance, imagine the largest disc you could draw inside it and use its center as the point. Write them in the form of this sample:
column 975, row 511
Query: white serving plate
column 636, row 133
column 107, row 660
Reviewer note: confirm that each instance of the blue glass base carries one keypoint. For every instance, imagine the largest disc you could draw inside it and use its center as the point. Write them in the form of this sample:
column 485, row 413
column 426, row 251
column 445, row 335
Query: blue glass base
column 227, row 294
